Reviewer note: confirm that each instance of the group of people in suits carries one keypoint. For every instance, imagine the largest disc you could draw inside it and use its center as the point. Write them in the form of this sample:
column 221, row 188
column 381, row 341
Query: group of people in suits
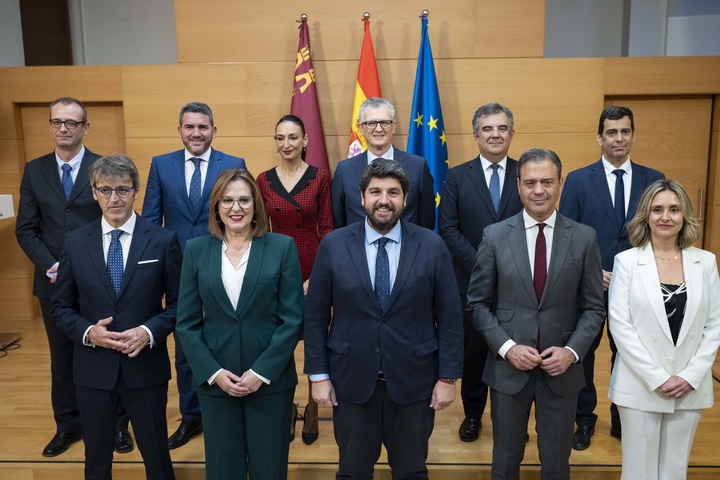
column 386, row 335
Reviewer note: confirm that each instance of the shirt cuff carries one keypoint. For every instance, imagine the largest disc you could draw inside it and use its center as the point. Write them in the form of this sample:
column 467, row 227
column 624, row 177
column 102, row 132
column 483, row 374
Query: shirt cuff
column 577, row 359
column 264, row 380
column 319, row 376
column 506, row 346
column 152, row 339
column 211, row 380
column 86, row 338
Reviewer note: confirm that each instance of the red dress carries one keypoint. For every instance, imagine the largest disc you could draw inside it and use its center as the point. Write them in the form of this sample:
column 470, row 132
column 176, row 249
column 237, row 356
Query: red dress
column 305, row 213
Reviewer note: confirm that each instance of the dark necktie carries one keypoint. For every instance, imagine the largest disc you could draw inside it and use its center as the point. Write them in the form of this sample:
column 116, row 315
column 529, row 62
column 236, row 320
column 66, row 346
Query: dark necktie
column 540, row 262
column 619, row 198
column 115, row 261
column 382, row 274
column 196, row 185
column 67, row 181
column 495, row 187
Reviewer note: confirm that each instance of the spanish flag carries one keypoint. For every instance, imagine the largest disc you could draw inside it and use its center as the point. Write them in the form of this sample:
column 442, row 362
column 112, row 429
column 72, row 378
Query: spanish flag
column 367, row 86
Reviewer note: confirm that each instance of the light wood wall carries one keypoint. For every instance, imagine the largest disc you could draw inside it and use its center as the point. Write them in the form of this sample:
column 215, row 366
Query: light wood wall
column 239, row 58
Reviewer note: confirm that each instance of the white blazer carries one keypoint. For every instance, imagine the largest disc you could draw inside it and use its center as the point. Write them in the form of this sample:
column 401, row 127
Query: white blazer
column 647, row 357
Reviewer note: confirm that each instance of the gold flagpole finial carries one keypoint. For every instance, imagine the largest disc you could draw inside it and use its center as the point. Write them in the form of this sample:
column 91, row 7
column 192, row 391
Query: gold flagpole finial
column 366, row 15
column 303, row 17
column 424, row 14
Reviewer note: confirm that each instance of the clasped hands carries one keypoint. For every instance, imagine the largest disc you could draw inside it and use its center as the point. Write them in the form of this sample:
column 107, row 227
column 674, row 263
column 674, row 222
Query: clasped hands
column 554, row 360
column 130, row 342
column 238, row 386
column 675, row 387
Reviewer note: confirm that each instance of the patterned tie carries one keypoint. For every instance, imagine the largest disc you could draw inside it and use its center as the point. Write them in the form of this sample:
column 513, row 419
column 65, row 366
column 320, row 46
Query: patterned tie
column 196, row 185
column 115, row 261
column 382, row 274
column 540, row 262
column 67, row 181
column 495, row 187
column 619, row 197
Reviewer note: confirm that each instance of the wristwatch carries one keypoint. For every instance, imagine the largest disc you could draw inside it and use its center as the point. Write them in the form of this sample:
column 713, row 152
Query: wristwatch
column 451, row 381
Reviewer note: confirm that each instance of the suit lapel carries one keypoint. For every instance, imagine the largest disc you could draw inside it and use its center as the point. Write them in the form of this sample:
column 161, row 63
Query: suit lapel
column 361, row 162
column 356, row 247
column 50, row 171
column 140, row 240
column 599, row 181
column 694, row 277
column 96, row 256
column 647, row 271
column 477, row 177
column 252, row 273
column 408, row 252
column 518, row 250
column 562, row 237
column 214, row 275
column 82, row 181
column 213, row 170
column 639, row 179
column 509, row 185
column 178, row 170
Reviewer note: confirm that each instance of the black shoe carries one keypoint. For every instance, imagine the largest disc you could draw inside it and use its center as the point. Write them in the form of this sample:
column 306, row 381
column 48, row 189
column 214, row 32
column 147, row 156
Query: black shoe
column 60, row 443
column 616, row 430
column 123, row 441
column 310, row 436
column 187, row 430
column 469, row 430
column 581, row 437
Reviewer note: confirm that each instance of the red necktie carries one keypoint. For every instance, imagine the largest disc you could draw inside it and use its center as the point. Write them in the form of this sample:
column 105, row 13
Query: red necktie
column 540, row 262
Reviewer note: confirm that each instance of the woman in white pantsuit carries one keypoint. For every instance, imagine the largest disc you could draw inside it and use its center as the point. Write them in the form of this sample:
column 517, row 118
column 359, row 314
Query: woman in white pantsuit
column 664, row 315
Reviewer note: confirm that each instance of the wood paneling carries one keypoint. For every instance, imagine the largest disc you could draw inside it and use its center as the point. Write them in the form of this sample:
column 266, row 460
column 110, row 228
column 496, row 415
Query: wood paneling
column 662, row 75
column 266, row 31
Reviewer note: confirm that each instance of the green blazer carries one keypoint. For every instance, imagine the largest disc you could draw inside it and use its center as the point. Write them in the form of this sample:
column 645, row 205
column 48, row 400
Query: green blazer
column 261, row 334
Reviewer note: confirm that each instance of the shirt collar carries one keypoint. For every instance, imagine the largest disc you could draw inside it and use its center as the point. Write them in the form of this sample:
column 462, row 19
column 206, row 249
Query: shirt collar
column 74, row 162
column 127, row 227
column 531, row 222
column 389, row 155
column 371, row 235
column 486, row 163
column 609, row 167
column 205, row 156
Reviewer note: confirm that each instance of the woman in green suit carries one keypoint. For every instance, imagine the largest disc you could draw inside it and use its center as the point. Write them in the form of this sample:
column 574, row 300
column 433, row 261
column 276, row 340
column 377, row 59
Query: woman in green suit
column 239, row 320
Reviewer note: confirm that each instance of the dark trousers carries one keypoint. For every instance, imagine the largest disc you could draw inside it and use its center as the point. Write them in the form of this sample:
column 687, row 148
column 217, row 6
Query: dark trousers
column 189, row 402
column 362, row 429
column 146, row 408
column 553, row 424
column 63, row 396
column 473, row 391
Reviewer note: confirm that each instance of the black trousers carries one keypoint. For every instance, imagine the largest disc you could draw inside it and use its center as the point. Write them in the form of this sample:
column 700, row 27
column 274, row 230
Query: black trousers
column 473, row 391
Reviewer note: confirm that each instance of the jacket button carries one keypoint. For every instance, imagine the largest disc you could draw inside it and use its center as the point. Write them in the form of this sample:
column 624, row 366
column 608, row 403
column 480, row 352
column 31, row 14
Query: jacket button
column 377, row 350
column 653, row 338
column 532, row 341
column 669, row 360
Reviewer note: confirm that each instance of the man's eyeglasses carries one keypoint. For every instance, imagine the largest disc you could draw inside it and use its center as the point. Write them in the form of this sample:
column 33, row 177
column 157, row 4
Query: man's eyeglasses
column 243, row 202
column 384, row 124
column 106, row 192
column 69, row 124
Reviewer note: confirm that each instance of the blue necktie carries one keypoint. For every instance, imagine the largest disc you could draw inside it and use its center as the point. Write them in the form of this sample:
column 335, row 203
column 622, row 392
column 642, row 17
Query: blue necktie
column 382, row 274
column 619, row 198
column 115, row 261
column 67, row 181
column 495, row 187
column 196, row 185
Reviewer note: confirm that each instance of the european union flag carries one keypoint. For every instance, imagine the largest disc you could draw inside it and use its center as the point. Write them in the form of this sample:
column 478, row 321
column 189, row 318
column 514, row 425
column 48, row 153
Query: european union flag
column 427, row 130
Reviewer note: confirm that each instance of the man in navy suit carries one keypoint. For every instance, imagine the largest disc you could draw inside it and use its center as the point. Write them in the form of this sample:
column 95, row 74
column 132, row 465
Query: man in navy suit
column 55, row 198
column 383, row 331
column 589, row 197
column 113, row 277
column 377, row 123
column 478, row 193
column 177, row 196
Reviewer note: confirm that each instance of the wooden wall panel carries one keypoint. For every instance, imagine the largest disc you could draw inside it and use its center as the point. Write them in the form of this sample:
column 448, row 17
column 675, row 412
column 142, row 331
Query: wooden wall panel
column 662, row 75
column 266, row 31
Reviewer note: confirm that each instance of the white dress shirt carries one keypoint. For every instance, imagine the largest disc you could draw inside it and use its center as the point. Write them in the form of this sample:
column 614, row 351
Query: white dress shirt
column 612, row 179
column 190, row 168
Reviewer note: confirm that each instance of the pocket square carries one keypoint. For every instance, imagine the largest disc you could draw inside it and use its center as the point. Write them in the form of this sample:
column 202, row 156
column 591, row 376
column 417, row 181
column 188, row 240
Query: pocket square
column 142, row 262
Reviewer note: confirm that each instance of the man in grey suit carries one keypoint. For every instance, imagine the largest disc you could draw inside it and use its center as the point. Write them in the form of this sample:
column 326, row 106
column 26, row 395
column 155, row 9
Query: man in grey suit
column 537, row 299
column 377, row 123
column 383, row 331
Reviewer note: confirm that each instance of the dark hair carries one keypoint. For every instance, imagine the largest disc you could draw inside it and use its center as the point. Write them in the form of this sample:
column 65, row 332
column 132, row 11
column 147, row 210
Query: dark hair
column 260, row 223
column 197, row 107
column 492, row 109
column 539, row 155
column 383, row 168
column 614, row 112
column 70, row 101
column 297, row 121
column 638, row 229
column 114, row 166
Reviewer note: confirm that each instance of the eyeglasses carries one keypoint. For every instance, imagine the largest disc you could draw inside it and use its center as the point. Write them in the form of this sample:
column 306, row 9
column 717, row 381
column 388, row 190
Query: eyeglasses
column 106, row 192
column 384, row 124
column 243, row 202
column 69, row 124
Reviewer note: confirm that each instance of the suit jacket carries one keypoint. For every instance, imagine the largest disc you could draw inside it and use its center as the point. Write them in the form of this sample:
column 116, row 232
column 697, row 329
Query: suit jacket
column 586, row 199
column 466, row 209
column 166, row 198
column 502, row 298
column 84, row 295
column 261, row 334
column 45, row 216
column 647, row 356
column 417, row 340
column 346, row 197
